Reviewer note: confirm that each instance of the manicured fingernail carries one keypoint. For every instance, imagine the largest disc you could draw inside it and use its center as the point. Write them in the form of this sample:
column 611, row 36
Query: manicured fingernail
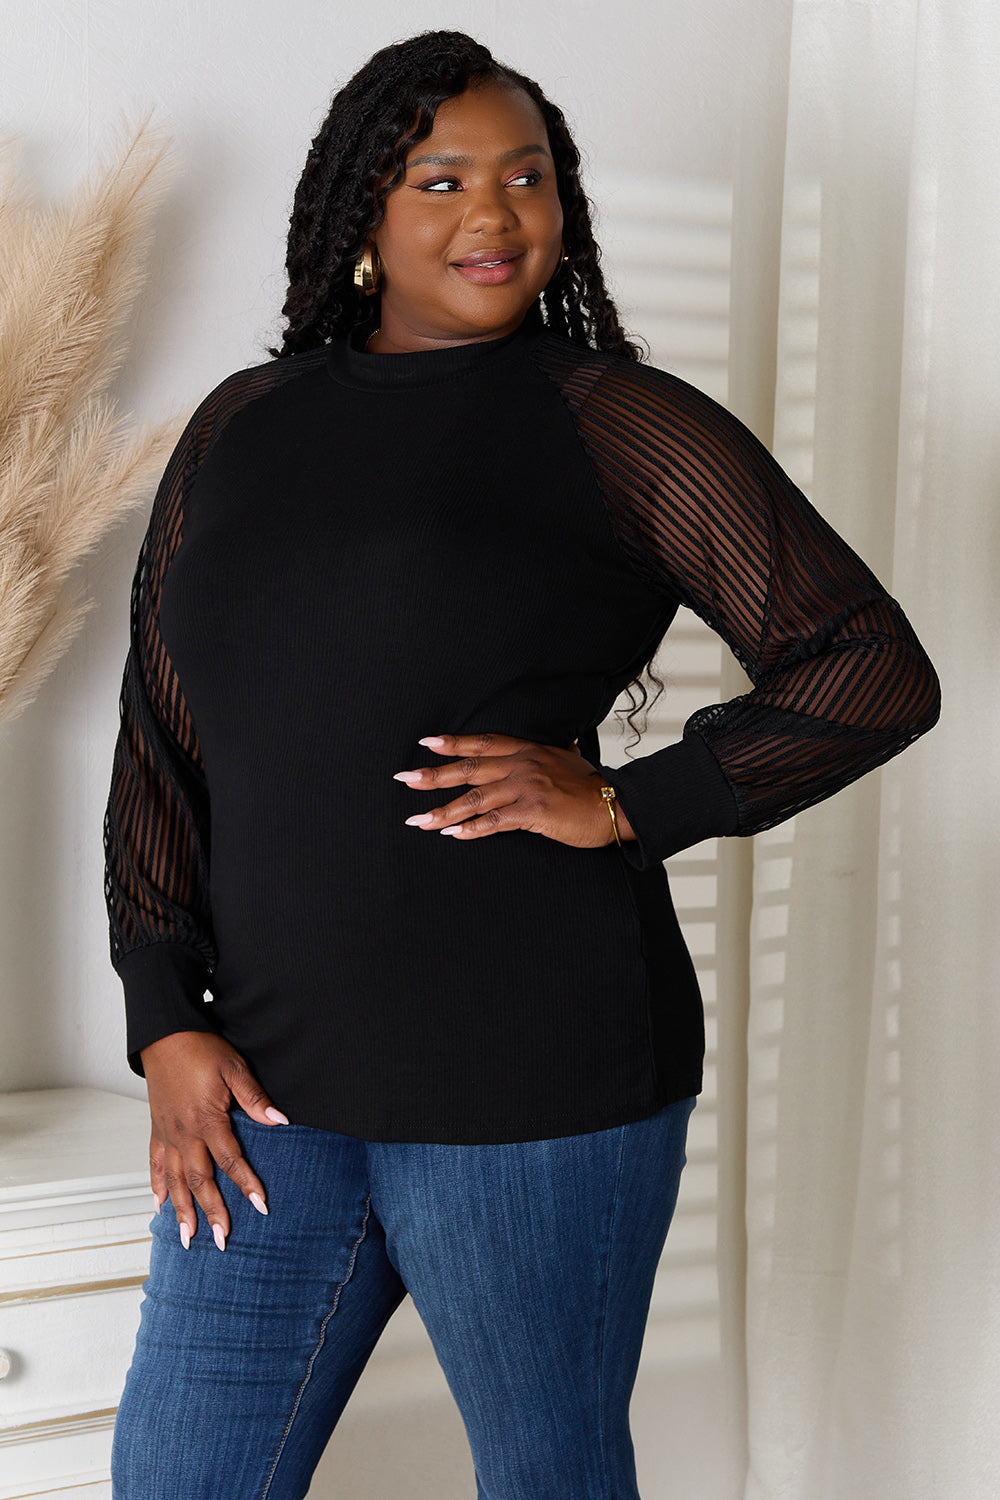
column 157, row 1203
column 219, row 1236
column 185, row 1236
column 275, row 1114
column 419, row 820
column 455, row 828
column 258, row 1203
column 433, row 741
column 408, row 776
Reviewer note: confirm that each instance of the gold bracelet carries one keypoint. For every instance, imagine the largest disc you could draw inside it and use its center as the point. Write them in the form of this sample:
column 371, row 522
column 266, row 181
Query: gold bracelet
column 609, row 794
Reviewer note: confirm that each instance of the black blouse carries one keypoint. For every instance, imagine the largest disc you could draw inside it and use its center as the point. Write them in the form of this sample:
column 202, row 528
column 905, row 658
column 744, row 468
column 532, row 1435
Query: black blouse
column 350, row 551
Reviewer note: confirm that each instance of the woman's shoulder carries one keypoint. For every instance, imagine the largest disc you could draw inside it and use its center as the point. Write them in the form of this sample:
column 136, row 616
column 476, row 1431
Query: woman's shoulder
column 243, row 387
column 616, row 385
column 249, row 384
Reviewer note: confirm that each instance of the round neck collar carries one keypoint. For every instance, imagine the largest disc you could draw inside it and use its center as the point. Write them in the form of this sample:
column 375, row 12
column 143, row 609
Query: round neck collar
column 350, row 364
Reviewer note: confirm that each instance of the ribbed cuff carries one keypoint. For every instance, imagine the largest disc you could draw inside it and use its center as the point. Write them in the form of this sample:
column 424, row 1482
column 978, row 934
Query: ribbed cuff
column 673, row 799
column 164, row 984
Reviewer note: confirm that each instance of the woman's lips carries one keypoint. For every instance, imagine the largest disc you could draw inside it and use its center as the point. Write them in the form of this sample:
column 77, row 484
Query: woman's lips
column 493, row 272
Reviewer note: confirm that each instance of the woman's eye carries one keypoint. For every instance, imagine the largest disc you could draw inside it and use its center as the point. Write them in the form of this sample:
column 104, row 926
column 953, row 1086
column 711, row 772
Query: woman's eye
column 447, row 184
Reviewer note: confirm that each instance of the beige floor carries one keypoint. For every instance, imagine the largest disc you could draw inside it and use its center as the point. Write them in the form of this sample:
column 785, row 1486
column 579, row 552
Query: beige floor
column 418, row 1452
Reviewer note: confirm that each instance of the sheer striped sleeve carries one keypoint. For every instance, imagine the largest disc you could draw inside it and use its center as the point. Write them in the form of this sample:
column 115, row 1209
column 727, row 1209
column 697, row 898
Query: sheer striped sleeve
column 840, row 682
column 156, row 825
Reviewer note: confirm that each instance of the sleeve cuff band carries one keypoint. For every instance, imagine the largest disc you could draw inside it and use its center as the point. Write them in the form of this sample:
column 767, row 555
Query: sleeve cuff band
column 164, row 984
column 673, row 798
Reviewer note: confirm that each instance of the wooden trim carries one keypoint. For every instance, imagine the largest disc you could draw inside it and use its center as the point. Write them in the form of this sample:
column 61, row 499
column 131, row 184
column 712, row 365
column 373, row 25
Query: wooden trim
column 70, row 1289
column 67, row 1489
column 59, row 1424
column 72, row 1247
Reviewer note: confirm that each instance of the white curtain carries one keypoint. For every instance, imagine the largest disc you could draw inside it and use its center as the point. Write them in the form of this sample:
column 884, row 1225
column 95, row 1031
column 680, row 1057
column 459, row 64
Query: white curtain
column 860, row 1268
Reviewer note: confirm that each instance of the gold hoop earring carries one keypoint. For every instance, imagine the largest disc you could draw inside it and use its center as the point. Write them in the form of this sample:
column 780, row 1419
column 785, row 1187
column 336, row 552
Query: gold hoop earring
column 368, row 271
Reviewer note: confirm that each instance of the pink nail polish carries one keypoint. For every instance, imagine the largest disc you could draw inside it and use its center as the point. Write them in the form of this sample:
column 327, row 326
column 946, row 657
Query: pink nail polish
column 258, row 1203
column 410, row 777
column 218, row 1236
column 185, row 1236
column 433, row 742
column 157, row 1203
column 419, row 820
column 275, row 1114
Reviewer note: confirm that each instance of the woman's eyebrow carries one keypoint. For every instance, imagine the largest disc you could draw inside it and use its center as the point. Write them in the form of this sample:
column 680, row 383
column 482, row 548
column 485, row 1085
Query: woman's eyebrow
column 470, row 161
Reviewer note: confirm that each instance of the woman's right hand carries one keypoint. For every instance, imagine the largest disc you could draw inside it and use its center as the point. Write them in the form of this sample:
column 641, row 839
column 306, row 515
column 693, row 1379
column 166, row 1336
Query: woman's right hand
column 192, row 1077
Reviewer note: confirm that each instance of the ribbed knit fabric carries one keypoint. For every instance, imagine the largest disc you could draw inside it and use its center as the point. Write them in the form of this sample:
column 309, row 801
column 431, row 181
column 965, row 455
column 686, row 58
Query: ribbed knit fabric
column 350, row 551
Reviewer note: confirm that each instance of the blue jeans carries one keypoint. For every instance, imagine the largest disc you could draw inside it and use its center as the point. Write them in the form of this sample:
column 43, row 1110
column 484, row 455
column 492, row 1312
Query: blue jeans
column 531, row 1266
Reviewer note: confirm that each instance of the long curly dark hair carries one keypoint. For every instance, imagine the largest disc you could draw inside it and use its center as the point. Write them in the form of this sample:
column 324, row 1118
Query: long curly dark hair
column 360, row 154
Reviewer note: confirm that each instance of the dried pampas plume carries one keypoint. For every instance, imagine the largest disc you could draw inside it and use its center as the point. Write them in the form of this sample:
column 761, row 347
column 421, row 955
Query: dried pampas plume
column 70, row 465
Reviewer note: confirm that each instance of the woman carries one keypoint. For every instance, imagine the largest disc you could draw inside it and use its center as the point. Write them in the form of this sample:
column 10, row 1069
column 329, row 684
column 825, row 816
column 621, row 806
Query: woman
column 454, row 512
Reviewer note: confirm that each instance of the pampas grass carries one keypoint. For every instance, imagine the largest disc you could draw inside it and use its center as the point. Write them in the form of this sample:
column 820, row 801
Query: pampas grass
column 71, row 466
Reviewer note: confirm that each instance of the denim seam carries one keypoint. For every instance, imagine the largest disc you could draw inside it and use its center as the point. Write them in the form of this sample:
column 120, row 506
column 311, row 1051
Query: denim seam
column 604, row 1316
column 319, row 1344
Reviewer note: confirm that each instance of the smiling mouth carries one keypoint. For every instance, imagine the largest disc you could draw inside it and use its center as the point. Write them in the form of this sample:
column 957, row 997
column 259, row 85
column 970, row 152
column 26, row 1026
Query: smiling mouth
column 474, row 264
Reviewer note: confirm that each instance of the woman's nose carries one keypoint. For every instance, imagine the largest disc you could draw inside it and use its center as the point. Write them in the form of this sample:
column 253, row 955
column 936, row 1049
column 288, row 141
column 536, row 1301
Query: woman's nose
column 488, row 209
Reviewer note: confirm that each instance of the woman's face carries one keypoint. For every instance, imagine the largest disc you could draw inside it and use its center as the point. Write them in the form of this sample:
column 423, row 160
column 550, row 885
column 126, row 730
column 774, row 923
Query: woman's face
column 473, row 232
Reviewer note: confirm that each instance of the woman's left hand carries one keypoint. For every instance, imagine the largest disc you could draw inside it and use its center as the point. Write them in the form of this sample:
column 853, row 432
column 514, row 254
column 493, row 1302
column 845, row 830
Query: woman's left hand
column 515, row 783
